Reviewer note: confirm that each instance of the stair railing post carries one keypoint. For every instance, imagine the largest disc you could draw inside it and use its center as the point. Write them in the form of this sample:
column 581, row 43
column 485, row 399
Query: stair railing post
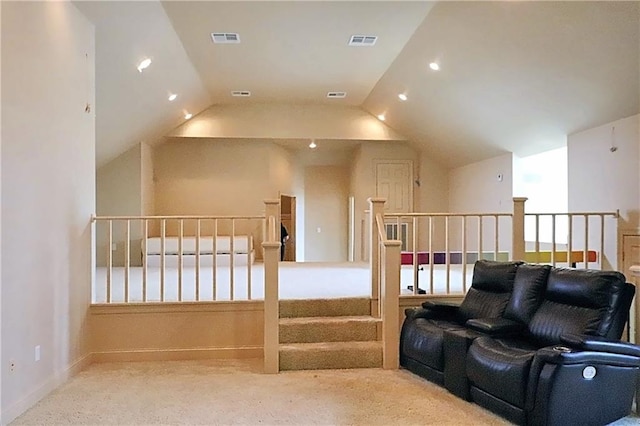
column 376, row 206
column 271, row 253
column 518, row 243
column 390, row 295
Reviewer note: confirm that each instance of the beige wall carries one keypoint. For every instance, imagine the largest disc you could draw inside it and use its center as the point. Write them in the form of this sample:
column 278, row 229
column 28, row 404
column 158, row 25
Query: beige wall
column 274, row 121
column 119, row 193
column 48, row 196
column 477, row 188
column 601, row 180
column 363, row 175
column 146, row 179
column 326, row 207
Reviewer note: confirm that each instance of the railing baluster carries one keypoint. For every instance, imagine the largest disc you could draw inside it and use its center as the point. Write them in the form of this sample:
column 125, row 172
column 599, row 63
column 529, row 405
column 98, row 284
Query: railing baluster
column 232, row 260
column 496, row 242
column 553, row 239
column 214, row 263
column 480, row 237
column 447, row 253
column 197, row 278
column 145, row 237
column 570, row 239
column 537, row 238
column 599, row 259
column 586, row 242
column 109, row 260
column 180, row 251
column 249, row 251
column 163, row 230
column 431, row 254
column 416, row 263
column 127, row 260
column 464, row 254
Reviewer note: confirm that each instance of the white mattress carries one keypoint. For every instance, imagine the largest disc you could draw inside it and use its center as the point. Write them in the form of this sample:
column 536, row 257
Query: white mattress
column 241, row 244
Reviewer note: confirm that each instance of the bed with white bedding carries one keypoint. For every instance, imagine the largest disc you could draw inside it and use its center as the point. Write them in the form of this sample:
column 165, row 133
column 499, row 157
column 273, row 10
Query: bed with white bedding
column 210, row 248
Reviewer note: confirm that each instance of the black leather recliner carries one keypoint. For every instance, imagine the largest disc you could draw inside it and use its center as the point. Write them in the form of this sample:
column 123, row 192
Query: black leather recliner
column 546, row 352
column 422, row 334
column 567, row 367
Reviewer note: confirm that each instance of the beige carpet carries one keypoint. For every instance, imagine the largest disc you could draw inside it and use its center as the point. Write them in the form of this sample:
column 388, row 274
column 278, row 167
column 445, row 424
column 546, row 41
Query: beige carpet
column 236, row 392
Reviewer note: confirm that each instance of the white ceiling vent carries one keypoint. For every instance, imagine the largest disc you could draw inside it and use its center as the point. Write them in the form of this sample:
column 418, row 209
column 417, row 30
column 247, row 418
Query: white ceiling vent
column 362, row 40
column 333, row 95
column 241, row 93
column 225, row 38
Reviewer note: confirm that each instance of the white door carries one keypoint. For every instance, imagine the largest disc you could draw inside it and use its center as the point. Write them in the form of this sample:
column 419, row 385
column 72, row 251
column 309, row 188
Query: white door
column 394, row 182
column 631, row 256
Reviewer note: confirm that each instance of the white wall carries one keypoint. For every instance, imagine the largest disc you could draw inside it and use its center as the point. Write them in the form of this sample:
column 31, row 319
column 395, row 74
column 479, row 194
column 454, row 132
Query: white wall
column 482, row 187
column 543, row 180
column 601, row 180
column 146, row 177
column 48, row 195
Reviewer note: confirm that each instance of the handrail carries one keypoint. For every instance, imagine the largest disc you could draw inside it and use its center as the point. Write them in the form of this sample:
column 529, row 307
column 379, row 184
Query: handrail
column 446, row 214
column 380, row 225
column 175, row 217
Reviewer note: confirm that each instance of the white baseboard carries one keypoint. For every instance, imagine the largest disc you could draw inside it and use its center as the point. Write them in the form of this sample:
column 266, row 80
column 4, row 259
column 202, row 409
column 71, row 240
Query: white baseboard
column 42, row 390
column 178, row 354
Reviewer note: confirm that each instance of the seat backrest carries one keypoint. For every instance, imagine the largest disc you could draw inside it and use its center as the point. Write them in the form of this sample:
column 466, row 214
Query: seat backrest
column 581, row 301
column 528, row 292
column 490, row 290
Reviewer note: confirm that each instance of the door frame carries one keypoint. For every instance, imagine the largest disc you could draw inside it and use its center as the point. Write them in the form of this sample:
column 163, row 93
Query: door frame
column 623, row 267
column 290, row 253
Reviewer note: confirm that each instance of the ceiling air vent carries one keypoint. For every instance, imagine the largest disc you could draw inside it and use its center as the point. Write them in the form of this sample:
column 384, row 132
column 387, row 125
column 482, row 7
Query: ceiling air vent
column 332, row 95
column 225, row 38
column 362, row 40
column 241, row 93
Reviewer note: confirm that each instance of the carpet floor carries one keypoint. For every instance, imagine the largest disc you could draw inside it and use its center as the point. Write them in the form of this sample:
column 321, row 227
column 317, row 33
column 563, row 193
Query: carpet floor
column 236, row 392
column 233, row 392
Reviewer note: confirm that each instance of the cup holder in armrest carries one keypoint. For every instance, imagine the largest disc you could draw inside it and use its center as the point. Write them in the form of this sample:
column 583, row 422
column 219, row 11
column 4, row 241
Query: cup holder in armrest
column 562, row 349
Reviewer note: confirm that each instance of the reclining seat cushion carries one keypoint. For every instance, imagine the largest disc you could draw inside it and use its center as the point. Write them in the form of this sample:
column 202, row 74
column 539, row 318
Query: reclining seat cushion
column 422, row 338
column 578, row 302
column 490, row 290
column 423, row 341
column 575, row 302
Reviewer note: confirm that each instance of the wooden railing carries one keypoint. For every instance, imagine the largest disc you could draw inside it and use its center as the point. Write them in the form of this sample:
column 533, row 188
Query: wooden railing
column 176, row 258
column 499, row 236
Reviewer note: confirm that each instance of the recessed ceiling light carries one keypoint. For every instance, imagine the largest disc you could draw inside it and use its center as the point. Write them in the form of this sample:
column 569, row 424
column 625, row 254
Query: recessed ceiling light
column 381, row 117
column 312, row 145
column 434, row 66
column 402, row 97
column 144, row 64
column 172, row 97
column 334, row 95
column 241, row 93
column 188, row 116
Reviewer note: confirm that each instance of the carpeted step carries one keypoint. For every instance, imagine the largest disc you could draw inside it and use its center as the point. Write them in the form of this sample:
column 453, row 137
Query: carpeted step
column 349, row 306
column 330, row 355
column 328, row 329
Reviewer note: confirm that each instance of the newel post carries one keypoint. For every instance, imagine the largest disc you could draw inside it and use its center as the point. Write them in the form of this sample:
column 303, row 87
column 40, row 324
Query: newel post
column 518, row 243
column 271, row 253
column 390, row 295
column 376, row 207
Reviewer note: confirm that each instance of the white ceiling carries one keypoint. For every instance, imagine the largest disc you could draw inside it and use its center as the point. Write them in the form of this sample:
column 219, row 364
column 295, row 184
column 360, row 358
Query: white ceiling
column 516, row 76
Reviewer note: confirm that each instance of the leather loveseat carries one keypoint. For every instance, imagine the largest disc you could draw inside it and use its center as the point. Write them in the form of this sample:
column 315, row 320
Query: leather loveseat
column 535, row 344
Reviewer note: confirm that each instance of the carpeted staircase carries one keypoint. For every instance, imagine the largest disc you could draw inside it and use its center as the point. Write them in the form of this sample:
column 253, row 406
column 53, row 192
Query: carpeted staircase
column 328, row 333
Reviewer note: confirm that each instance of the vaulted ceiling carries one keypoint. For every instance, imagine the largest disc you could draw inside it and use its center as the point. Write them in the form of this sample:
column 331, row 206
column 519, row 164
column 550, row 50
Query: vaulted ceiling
column 514, row 76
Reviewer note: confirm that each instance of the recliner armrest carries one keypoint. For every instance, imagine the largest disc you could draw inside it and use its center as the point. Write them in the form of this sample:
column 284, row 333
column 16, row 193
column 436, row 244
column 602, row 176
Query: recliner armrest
column 444, row 308
column 414, row 313
column 600, row 344
column 495, row 326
